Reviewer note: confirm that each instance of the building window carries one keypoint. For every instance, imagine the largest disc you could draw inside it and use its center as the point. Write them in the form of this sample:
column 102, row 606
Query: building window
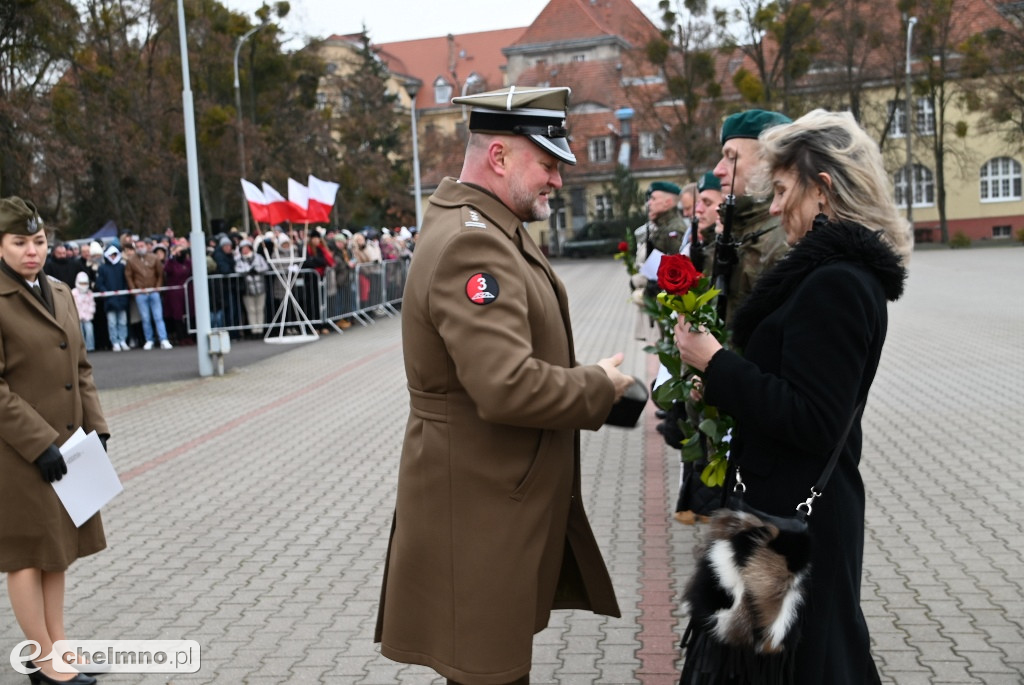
column 579, row 58
column 1000, row 180
column 1001, row 232
column 442, row 91
column 924, row 187
column 924, row 117
column 321, row 100
column 600, row 149
column 898, row 114
column 603, row 207
column 650, row 146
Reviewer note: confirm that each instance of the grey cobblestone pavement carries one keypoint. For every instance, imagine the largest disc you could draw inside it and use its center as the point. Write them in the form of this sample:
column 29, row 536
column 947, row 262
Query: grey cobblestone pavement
column 257, row 504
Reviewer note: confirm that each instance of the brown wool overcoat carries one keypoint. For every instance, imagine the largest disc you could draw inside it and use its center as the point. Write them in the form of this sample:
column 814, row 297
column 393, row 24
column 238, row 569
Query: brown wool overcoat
column 46, row 392
column 489, row 532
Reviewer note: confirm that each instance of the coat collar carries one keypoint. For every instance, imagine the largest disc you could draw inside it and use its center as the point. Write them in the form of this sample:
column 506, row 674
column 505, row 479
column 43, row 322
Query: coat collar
column 834, row 241
column 12, row 284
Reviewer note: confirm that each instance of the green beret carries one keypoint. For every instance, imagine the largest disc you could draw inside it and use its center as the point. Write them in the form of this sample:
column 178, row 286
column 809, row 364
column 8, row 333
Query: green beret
column 709, row 182
column 665, row 187
column 19, row 217
column 751, row 123
column 537, row 113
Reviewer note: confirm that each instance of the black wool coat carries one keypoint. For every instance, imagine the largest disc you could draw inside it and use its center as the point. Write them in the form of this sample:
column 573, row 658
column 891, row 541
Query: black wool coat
column 812, row 334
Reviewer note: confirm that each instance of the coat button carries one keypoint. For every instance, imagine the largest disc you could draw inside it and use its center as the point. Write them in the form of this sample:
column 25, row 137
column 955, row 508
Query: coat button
column 71, row 426
column 67, row 386
column 63, row 345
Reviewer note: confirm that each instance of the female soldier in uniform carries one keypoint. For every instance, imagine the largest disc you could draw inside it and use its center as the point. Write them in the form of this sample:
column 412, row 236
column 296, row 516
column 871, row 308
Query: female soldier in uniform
column 46, row 393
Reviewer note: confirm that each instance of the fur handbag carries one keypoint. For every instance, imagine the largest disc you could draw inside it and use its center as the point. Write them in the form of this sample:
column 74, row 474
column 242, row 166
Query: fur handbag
column 746, row 592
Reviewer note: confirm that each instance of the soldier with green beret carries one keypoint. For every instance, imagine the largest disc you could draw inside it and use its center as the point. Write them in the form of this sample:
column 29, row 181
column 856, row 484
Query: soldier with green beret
column 761, row 241
column 664, row 230
column 47, row 394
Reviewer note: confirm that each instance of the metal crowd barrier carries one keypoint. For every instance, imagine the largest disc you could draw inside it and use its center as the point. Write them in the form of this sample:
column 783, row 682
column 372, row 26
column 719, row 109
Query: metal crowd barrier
column 368, row 290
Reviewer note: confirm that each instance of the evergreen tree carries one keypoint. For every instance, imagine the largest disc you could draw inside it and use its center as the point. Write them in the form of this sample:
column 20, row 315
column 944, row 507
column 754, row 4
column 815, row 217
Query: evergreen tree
column 372, row 132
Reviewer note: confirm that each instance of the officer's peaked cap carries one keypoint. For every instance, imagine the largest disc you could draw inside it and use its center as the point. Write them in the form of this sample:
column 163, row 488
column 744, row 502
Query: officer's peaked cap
column 537, row 113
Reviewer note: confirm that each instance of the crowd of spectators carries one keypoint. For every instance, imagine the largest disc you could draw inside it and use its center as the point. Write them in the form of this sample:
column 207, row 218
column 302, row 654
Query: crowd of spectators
column 245, row 291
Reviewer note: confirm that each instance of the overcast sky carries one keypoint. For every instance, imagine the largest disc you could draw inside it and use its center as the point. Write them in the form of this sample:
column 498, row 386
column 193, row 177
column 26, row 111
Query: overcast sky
column 395, row 20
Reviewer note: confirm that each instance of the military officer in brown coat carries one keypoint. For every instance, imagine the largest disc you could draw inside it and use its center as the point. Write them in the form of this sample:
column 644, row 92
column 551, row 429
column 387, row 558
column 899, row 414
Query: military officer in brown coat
column 489, row 533
column 46, row 393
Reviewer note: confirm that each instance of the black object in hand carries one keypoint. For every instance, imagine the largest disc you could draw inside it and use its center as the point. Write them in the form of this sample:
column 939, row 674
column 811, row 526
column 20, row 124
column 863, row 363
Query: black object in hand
column 626, row 412
column 51, row 464
column 103, row 440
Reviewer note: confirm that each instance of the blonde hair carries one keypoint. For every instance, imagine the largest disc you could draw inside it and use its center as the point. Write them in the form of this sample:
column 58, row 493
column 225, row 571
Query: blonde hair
column 833, row 143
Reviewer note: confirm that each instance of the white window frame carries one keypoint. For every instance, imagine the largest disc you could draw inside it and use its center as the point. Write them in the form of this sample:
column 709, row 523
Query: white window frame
column 924, row 186
column 899, row 115
column 650, row 145
column 599, row 150
column 442, row 91
column 604, row 210
column 999, row 180
column 924, row 117
column 1004, row 232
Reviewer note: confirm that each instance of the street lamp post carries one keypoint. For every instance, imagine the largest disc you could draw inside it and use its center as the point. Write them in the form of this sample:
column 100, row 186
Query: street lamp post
column 412, row 87
column 241, row 136
column 909, row 172
column 199, row 276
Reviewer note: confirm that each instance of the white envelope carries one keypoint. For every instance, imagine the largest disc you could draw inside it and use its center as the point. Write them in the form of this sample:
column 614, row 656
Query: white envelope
column 90, row 482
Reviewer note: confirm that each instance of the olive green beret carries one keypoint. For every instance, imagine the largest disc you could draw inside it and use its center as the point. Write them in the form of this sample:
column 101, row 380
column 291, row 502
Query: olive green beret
column 19, row 217
column 665, row 187
column 709, row 182
column 537, row 113
column 751, row 123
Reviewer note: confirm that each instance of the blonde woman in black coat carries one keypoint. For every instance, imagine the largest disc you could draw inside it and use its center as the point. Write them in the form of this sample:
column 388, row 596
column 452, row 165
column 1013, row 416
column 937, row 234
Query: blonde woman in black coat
column 46, row 392
column 811, row 335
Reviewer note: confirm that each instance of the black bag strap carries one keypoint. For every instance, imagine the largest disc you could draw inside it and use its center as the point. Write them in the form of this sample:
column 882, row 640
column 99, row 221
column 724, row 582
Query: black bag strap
column 818, row 488
column 804, row 508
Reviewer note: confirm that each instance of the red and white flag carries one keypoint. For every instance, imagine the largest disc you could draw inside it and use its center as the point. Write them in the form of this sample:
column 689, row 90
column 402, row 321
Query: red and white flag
column 298, row 198
column 257, row 202
column 321, row 199
column 280, row 212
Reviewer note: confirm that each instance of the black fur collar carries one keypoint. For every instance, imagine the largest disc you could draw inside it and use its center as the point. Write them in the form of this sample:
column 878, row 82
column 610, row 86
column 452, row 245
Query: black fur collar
column 836, row 241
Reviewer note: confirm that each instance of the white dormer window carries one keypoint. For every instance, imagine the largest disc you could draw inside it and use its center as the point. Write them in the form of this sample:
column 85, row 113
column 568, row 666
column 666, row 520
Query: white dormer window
column 442, row 91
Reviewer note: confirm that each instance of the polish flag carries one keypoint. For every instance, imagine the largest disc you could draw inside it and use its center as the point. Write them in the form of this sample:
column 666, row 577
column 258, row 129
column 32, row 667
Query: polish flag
column 257, row 202
column 321, row 199
column 279, row 210
column 298, row 198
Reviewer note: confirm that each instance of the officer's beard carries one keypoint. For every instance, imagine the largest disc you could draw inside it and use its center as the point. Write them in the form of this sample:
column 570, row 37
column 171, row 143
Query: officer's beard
column 527, row 205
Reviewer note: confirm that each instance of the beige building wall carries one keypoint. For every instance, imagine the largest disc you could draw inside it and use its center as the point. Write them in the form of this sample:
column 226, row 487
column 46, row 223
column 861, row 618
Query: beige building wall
column 966, row 211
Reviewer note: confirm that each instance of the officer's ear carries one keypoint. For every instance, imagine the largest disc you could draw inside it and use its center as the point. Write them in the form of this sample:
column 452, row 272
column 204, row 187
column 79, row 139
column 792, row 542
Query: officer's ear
column 497, row 156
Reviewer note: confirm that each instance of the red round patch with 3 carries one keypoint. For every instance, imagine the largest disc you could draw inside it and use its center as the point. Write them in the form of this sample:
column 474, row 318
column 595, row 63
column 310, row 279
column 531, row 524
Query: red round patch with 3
column 482, row 288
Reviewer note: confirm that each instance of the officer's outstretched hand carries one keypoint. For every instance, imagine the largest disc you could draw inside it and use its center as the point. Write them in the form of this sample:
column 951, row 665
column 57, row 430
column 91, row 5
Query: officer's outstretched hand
column 619, row 379
column 669, row 424
column 51, row 464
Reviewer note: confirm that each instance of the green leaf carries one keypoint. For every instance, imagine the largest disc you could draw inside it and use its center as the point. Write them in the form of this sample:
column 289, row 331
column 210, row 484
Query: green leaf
column 710, row 428
column 691, row 451
column 689, row 301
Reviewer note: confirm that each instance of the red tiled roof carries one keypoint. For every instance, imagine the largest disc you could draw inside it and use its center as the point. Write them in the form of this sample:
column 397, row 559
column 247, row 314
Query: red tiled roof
column 566, row 20
column 467, row 53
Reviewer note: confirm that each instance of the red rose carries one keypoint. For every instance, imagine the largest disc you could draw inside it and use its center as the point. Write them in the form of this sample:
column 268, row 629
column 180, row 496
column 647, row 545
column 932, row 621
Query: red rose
column 676, row 274
column 623, row 246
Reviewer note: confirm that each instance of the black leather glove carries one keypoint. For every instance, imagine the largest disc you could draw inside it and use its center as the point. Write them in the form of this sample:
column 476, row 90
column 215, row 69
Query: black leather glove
column 51, row 464
column 103, row 440
column 651, row 290
column 669, row 424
